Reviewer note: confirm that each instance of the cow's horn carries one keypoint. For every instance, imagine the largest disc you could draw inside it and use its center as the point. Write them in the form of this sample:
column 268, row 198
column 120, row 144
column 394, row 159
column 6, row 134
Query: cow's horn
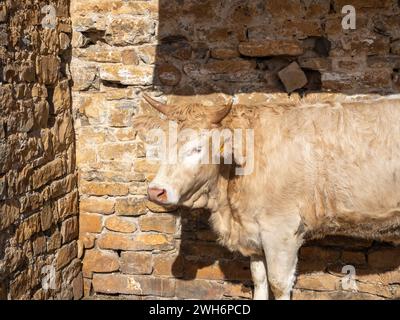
column 163, row 108
column 220, row 114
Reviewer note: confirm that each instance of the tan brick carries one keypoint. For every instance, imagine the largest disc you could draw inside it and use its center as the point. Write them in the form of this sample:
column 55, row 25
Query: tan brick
column 10, row 213
column 77, row 287
column 69, row 230
column 116, row 241
column 129, row 284
column 199, row 289
column 165, row 224
column 47, row 69
column 319, row 281
column 68, row 205
column 66, row 254
column 54, row 241
column 127, row 74
column 138, row 188
column 28, row 228
column 159, row 209
column 102, row 189
column 48, row 172
column 99, row 53
column 130, row 207
column 141, row 29
column 89, row 136
column 154, row 242
column 89, row 222
column 115, row 6
column 39, row 246
column 99, row 261
column 97, row 205
column 121, row 151
column 62, row 96
column 120, row 224
column 136, row 263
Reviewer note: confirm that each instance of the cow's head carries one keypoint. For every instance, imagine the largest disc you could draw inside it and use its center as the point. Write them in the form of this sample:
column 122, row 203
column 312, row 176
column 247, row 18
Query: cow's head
column 187, row 179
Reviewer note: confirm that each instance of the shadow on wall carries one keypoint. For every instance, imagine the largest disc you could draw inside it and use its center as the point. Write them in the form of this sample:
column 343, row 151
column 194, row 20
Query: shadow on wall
column 231, row 47
column 273, row 46
column 326, row 264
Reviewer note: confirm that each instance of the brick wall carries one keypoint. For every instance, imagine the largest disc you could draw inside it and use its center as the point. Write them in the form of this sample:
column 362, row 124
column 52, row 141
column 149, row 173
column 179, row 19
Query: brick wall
column 200, row 50
column 38, row 183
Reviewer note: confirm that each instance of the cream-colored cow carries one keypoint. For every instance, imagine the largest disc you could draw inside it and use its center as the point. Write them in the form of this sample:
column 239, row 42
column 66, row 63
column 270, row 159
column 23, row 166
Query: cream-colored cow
column 328, row 168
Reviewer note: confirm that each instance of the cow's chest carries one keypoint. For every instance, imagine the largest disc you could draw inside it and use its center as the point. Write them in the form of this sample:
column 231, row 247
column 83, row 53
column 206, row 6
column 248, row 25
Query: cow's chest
column 237, row 234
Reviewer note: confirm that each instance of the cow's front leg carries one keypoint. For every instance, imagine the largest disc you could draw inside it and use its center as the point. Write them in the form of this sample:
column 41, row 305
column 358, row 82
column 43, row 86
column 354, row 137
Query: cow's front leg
column 259, row 275
column 281, row 249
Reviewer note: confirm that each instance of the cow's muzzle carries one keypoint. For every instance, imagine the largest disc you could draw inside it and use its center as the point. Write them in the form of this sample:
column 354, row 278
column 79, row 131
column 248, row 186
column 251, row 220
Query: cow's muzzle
column 157, row 195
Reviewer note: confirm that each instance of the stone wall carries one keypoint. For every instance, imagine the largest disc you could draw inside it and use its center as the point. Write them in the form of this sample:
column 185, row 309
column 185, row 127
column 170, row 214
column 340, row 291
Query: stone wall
column 38, row 181
column 204, row 50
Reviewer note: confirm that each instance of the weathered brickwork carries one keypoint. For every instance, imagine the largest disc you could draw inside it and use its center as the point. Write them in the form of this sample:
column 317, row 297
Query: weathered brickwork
column 203, row 50
column 38, row 183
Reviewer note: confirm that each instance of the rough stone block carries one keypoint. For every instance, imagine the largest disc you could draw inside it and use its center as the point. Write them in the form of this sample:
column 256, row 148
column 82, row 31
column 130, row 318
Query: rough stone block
column 293, row 77
column 136, row 263
column 90, row 222
column 99, row 261
column 120, row 224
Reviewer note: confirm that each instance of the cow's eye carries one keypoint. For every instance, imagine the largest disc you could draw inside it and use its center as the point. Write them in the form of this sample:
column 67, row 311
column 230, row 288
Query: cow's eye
column 196, row 150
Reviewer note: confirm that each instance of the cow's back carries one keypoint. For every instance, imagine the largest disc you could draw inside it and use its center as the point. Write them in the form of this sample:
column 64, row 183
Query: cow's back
column 337, row 164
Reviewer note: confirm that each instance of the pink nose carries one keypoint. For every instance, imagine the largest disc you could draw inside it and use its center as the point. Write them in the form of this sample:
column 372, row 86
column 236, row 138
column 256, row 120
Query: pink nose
column 157, row 195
